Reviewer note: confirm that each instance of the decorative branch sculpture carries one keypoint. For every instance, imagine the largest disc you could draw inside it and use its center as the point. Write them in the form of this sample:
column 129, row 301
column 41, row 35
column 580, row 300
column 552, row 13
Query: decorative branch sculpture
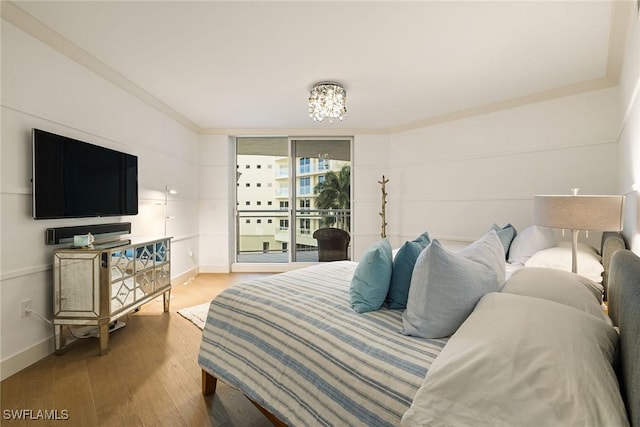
column 383, row 214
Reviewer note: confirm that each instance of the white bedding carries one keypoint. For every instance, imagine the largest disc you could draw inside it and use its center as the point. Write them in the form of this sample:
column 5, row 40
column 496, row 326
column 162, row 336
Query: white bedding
column 559, row 258
column 509, row 269
column 293, row 344
column 522, row 361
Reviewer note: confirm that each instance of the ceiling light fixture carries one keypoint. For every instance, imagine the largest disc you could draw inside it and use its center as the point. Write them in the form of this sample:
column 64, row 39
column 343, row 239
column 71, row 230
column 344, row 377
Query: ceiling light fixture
column 327, row 100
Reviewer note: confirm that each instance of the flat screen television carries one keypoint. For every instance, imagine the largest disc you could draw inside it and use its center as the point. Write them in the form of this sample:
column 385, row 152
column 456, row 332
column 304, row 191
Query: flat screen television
column 75, row 179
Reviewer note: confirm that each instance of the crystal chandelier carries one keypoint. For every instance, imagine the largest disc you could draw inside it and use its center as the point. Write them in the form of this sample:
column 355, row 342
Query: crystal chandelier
column 327, row 100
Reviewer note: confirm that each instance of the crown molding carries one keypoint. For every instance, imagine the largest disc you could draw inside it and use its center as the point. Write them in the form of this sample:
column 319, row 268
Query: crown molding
column 46, row 35
column 294, row 131
column 622, row 13
column 547, row 95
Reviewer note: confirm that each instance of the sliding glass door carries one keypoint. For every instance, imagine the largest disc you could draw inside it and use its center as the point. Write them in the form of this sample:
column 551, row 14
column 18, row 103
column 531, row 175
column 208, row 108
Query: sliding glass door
column 322, row 183
column 286, row 189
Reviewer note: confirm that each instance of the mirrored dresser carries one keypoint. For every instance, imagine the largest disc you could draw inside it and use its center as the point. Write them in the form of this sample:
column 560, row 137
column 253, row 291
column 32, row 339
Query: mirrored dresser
column 96, row 286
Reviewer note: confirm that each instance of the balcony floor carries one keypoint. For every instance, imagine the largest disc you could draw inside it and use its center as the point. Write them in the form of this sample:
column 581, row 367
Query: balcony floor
column 277, row 257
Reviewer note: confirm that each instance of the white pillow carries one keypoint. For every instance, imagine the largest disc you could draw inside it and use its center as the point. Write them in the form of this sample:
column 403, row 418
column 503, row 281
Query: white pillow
column 522, row 361
column 559, row 257
column 558, row 286
column 394, row 252
column 445, row 285
column 530, row 241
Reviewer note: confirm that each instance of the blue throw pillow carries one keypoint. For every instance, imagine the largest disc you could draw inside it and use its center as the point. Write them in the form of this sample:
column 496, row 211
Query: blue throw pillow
column 424, row 239
column 371, row 278
column 446, row 286
column 403, row 265
column 506, row 235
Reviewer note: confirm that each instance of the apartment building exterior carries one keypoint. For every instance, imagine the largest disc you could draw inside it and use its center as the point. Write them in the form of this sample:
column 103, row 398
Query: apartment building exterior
column 273, row 208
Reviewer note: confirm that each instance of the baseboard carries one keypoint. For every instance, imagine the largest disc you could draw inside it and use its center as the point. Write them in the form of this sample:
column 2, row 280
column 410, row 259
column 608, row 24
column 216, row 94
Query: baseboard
column 214, row 269
column 242, row 267
column 26, row 358
column 44, row 348
column 183, row 278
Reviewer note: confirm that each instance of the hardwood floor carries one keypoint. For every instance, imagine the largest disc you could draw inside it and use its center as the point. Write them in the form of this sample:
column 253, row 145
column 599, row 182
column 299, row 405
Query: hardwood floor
column 150, row 377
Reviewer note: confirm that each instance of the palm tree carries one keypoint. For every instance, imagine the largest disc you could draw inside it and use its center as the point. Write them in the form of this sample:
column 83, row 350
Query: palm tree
column 335, row 193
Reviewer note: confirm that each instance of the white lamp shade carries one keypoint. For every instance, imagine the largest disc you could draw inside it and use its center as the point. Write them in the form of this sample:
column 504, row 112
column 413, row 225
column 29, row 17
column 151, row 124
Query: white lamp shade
column 598, row 213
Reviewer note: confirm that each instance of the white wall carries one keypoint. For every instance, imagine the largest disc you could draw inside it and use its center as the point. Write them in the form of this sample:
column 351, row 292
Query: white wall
column 43, row 89
column 629, row 141
column 455, row 179
column 217, row 189
column 217, row 181
column 370, row 162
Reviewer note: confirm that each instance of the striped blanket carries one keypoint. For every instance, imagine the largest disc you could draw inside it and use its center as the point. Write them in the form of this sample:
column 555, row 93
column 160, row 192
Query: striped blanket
column 292, row 343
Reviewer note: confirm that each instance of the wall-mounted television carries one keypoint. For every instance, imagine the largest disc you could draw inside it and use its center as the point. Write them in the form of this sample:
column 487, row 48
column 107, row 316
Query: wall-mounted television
column 76, row 179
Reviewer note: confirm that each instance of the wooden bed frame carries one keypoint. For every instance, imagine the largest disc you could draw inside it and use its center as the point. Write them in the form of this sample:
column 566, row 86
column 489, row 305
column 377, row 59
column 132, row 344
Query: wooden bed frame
column 622, row 283
column 209, row 383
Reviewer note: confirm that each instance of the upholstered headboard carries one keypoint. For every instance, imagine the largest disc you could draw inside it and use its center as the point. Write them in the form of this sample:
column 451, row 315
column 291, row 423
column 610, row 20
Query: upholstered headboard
column 611, row 243
column 624, row 310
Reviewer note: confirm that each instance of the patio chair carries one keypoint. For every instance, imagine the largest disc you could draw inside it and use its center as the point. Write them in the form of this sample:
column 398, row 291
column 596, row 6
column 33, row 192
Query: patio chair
column 332, row 244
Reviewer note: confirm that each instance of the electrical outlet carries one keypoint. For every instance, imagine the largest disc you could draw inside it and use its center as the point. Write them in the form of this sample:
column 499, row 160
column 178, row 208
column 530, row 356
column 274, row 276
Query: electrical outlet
column 25, row 305
column 190, row 252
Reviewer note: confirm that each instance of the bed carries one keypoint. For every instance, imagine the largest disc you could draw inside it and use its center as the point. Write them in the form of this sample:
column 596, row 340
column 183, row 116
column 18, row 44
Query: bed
column 294, row 345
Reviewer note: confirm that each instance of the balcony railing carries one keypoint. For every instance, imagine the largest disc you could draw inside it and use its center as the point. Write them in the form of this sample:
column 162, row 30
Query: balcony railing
column 304, row 170
column 267, row 242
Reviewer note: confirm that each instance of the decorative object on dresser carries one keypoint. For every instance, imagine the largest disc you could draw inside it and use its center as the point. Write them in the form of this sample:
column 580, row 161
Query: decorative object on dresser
column 575, row 213
column 97, row 286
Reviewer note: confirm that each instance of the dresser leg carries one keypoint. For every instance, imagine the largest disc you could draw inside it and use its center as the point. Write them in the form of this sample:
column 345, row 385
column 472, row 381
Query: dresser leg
column 103, row 325
column 166, row 297
column 60, row 342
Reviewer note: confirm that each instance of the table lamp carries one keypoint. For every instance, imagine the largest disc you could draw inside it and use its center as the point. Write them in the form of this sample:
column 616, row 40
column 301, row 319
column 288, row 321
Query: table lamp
column 575, row 213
